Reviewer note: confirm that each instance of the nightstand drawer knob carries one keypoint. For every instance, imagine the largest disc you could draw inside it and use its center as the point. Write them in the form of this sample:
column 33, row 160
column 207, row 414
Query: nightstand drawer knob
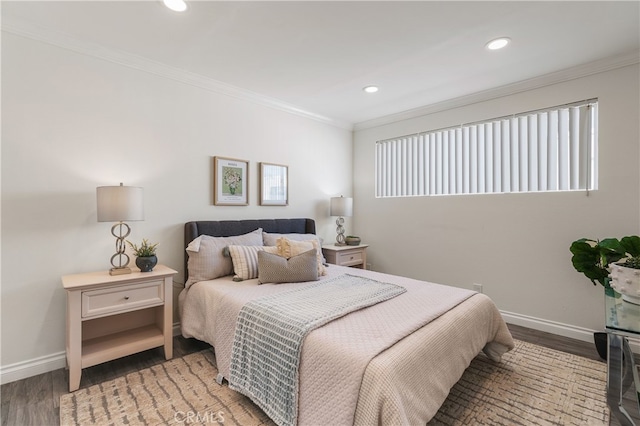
column 126, row 298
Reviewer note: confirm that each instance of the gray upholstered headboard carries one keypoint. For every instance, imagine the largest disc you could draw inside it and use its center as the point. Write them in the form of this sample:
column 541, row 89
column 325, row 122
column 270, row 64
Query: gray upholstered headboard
column 229, row 228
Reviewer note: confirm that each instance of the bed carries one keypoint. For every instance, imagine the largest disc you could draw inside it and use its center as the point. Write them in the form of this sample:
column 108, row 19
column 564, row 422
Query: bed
column 393, row 362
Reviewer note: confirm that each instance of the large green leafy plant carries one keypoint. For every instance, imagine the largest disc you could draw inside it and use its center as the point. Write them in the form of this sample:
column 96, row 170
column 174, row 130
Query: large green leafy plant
column 592, row 257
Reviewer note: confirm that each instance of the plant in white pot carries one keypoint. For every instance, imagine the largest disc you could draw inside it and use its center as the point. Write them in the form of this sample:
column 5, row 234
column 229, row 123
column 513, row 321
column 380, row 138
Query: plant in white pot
column 625, row 279
column 146, row 257
column 593, row 258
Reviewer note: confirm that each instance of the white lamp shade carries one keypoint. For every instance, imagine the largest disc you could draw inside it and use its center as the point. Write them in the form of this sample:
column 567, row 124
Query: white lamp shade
column 341, row 206
column 119, row 203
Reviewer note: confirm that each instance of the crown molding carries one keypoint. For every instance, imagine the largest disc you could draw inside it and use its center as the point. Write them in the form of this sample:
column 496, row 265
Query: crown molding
column 29, row 30
column 596, row 67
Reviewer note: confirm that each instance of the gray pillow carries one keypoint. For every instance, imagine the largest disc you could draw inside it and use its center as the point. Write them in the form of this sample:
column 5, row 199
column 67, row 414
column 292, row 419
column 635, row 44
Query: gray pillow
column 206, row 260
column 276, row 269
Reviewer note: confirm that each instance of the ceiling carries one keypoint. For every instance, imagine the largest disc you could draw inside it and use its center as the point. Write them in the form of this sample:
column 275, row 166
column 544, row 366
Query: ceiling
column 317, row 56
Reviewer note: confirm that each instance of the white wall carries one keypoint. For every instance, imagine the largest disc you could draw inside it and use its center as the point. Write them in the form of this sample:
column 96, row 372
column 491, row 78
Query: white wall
column 515, row 245
column 72, row 122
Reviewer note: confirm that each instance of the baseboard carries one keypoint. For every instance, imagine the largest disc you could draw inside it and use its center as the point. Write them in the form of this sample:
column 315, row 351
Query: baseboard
column 44, row 364
column 33, row 367
column 560, row 329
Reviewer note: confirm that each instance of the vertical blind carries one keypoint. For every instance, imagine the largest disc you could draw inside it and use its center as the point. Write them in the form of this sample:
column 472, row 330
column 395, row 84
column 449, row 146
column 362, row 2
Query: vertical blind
column 547, row 150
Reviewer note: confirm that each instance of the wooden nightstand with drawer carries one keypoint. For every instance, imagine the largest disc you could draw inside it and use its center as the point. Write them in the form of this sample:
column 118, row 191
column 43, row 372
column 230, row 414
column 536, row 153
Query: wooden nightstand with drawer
column 355, row 256
column 111, row 316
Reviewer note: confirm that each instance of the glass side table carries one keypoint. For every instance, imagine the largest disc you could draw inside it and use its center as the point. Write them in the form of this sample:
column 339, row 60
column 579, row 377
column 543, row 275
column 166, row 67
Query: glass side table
column 622, row 321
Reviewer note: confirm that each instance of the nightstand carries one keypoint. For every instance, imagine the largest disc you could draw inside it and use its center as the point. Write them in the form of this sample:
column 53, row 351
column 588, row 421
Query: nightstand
column 355, row 256
column 111, row 316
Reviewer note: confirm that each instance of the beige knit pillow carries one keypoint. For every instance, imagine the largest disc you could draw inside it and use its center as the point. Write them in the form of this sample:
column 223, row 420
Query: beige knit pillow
column 288, row 248
column 270, row 239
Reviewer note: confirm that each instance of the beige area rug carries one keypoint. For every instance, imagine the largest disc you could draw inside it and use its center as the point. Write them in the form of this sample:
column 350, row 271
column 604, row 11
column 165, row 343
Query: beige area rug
column 533, row 385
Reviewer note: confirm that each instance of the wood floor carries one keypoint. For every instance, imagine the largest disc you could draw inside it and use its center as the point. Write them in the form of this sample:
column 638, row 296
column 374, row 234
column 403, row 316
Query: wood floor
column 35, row 400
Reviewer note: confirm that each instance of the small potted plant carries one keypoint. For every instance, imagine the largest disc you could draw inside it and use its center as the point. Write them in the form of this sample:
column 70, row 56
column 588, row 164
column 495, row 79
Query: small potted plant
column 146, row 257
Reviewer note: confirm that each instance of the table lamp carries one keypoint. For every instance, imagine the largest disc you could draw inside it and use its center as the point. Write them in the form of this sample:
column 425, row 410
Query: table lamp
column 341, row 206
column 117, row 204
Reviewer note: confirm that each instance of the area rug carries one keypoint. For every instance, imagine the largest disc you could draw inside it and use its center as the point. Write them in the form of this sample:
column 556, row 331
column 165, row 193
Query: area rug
column 533, row 385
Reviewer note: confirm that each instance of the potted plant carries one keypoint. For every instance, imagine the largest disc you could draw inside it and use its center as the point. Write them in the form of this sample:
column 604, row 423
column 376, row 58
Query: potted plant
column 625, row 279
column 593, row 258
column 146, row 257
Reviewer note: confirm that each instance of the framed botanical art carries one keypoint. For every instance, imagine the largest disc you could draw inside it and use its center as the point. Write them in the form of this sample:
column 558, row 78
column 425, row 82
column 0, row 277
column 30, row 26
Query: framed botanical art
column 230, row 182
column 274, row 184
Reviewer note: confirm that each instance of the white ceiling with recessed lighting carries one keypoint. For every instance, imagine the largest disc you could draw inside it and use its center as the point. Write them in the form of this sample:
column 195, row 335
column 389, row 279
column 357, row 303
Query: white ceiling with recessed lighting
column 316, row 57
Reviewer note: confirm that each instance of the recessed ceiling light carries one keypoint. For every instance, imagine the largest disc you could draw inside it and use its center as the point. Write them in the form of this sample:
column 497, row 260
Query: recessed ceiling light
column 176, row 5
column 370, row 89
column 498, row 43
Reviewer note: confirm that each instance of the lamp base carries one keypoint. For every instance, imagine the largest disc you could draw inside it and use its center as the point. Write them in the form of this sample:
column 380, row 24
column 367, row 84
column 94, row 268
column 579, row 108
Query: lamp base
column 120, row 271
column 340, row 231
column 120, row 230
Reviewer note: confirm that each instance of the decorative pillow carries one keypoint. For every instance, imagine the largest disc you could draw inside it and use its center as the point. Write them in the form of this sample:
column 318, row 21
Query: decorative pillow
column 288, row 248
column 276, row 269
column 206, row 261
column 245, row 260
column 270, row 240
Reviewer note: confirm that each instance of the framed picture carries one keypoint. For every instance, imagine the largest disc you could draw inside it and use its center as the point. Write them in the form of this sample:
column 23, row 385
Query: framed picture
column 274, row 185
column 230, row 182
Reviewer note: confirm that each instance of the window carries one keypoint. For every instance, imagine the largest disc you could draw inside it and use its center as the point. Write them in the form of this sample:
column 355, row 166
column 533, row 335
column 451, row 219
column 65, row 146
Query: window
column 547, row 150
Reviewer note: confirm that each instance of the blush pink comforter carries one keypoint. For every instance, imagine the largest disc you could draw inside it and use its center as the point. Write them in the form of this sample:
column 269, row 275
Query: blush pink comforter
column 392, row 363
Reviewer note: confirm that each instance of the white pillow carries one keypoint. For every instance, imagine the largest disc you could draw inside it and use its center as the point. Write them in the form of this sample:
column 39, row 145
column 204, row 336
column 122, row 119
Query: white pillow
column 245, row 260
column 206, row 261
